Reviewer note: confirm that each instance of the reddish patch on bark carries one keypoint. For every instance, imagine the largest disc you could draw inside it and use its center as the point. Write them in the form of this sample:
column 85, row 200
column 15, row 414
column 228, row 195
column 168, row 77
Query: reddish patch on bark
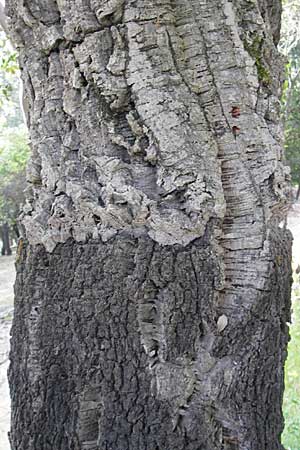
column 236, row 130
column 235, row 112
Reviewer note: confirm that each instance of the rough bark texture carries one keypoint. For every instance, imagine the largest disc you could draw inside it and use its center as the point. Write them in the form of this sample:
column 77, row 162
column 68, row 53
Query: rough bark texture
column 153, row 283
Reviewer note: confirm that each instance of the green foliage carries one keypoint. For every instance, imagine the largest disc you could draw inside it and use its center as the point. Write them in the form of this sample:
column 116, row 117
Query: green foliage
column 291, row 112
column 10, row 110
column 8, row 69
column 290, row 30
column 291, row 403
column 14, row 152
column 292, row 145
column 290, row 46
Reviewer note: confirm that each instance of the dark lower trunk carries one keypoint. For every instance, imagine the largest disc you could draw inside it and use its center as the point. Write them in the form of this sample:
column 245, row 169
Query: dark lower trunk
column 6, row 250
column 118, row 348
column 16, row 231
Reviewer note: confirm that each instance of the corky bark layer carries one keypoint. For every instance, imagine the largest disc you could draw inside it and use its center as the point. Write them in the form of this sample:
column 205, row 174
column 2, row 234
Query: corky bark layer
column 116, row 347
column 154, row 246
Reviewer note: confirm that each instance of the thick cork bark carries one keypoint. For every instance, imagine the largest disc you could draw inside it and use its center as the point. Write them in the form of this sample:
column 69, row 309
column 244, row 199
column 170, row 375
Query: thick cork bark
column 153, row 281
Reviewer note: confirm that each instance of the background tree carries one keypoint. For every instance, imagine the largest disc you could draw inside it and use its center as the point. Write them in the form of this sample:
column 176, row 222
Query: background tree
column 292, row 135
column 153, row 284
column 14, row 150
column 290, row 47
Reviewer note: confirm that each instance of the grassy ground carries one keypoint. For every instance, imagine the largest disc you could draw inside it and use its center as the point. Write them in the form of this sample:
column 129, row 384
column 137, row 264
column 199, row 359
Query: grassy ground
column 291, row 403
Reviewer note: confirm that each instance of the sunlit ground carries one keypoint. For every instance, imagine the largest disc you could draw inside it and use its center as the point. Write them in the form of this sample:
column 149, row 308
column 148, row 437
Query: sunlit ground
column 7, row 275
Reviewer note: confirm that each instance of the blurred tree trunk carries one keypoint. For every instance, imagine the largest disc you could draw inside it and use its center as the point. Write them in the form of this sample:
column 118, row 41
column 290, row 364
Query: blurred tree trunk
column 16, row 231
column 6, row 250
column 153, row 283
column 298, row 190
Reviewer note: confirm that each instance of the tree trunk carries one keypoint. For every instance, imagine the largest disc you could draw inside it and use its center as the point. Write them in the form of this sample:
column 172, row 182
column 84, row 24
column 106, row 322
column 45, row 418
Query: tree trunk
column 16, row 231
column 6, row 250
column 153, row 283
column 298, row 190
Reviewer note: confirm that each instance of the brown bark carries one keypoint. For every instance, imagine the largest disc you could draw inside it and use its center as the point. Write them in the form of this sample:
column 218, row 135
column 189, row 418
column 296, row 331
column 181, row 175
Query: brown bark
column 153, row 283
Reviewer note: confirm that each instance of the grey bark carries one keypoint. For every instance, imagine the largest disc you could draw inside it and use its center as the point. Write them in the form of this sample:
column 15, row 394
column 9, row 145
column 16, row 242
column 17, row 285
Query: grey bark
column 153, row 283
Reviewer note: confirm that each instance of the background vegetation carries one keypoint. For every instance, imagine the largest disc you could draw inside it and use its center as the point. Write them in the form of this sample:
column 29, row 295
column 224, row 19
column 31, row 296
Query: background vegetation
column 290, row 47
column 291, row 404
column 14, row 149
column 14, row 153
